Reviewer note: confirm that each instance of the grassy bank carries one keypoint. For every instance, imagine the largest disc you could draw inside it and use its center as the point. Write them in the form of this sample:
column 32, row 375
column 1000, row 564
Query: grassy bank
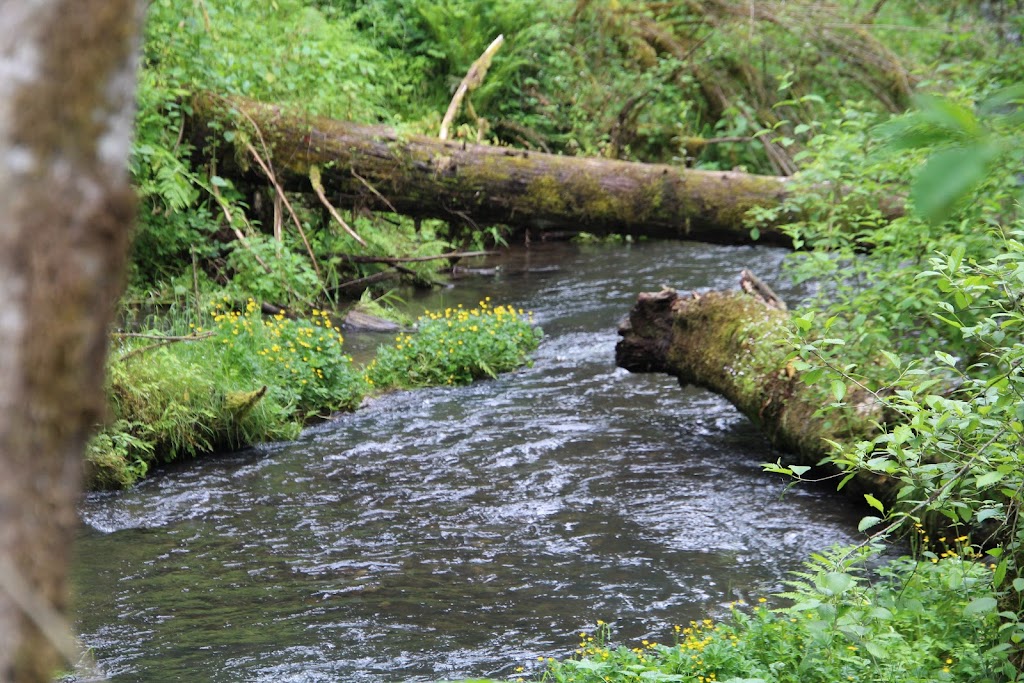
column 230, row 376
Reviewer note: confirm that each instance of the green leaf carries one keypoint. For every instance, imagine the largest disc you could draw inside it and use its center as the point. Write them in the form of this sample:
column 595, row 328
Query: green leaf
column 948, row 177
column 980, row 606
column 812, row 376
column 1018, row 585
column 954, row 117
column 838, row 389
column 874, row 502
column 893, row 359
column 868, row 522
column 988, row 479
column 836, row 583
column 999, row 573
column 987, row 513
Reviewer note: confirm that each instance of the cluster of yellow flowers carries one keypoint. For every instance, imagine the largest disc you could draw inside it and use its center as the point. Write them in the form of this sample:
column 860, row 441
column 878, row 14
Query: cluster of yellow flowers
column 284, row 340
column 957, row 550
column 459, row 314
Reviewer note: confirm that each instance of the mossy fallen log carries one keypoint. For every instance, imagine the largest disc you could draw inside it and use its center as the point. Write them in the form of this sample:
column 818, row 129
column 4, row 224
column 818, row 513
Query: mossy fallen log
column 377, row 167
column 734, row 344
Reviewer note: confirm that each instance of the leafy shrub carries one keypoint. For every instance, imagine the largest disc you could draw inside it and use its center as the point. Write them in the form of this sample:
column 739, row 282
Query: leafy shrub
column 917, row 622
column 173, row 402
column 456, row 346
column 291, row 280
column 300, row 360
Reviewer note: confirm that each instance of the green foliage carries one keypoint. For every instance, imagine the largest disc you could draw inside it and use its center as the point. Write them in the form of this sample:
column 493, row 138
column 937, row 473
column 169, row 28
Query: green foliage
column 955, row 445
column 187, row 398
column 174, row 221
column 456, row 346
column 168, row 403
column 285, row 51
column 924, row 312
column 270, row 270
column 968, row 148
column 300, row 360
column 917, row 621
column 871, row 303
column 242, row 377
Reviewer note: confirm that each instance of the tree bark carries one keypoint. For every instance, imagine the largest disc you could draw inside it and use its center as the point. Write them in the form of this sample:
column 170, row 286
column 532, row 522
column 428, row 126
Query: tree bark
column 733, row 343
column 477, row 184
column 66, row 114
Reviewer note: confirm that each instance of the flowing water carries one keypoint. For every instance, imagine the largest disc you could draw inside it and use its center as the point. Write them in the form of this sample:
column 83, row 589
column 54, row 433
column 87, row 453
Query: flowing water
column 449, row 533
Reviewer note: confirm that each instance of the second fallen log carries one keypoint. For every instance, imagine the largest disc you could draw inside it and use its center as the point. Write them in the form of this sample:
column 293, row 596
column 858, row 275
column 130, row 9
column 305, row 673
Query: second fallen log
column 481, row 185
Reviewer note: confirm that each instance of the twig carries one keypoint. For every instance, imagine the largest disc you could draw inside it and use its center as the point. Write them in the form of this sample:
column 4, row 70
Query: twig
column 298, row 224
column 873, row 12
column 195, row 277
column 278, row 217
column 415, row 259
column 314, row 180
column 238, row 233
column 474, row 77
column 164, row 341
column 373, row 189
column 368, row 280
column 161, row 337
column 755, row 286
column 206, row 15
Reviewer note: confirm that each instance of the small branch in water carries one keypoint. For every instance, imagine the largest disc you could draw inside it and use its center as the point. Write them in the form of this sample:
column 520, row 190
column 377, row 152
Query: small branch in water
column 368, row 280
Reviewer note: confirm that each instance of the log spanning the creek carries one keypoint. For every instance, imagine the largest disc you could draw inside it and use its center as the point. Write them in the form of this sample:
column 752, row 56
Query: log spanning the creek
column 420, row 176
column 733, row 343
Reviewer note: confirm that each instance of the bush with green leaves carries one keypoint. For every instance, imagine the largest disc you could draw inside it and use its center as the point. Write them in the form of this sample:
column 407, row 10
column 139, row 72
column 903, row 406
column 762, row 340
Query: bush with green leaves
column 242, row 377
column 176, row 401
column 242, row 380
column 914, row 622
column 926, row 314
column 300, row 360
column 456, row 346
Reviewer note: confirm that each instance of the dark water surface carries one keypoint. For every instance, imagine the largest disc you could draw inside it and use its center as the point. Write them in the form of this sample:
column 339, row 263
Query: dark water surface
column 460, row 532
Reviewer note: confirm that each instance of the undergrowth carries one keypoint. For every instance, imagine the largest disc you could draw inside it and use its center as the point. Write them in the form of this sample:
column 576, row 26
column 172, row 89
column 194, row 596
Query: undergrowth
column 236, row 377
column 913, row 621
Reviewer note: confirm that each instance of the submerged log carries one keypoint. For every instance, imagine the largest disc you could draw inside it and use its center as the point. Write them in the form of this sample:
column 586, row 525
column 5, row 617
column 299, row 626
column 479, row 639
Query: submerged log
column 480, row 185
column 734, row 343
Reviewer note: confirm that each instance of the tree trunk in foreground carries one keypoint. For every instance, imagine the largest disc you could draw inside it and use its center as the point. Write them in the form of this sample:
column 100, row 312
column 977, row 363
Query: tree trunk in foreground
column 478, row 184
column 732, row 343
column 66, row 113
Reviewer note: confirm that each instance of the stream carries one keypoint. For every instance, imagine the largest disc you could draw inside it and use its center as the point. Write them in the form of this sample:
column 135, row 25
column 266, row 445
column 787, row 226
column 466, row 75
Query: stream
column 448, row 533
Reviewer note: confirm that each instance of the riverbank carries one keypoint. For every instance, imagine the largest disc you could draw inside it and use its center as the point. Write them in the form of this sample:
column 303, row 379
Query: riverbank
column 229, row 376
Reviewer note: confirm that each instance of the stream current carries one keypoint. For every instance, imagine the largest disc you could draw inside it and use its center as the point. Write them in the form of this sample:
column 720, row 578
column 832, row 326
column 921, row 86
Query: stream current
column 448, row 533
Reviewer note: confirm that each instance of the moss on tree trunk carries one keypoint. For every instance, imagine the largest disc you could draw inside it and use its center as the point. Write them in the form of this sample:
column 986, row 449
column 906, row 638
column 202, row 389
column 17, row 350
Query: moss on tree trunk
column 734, row 343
